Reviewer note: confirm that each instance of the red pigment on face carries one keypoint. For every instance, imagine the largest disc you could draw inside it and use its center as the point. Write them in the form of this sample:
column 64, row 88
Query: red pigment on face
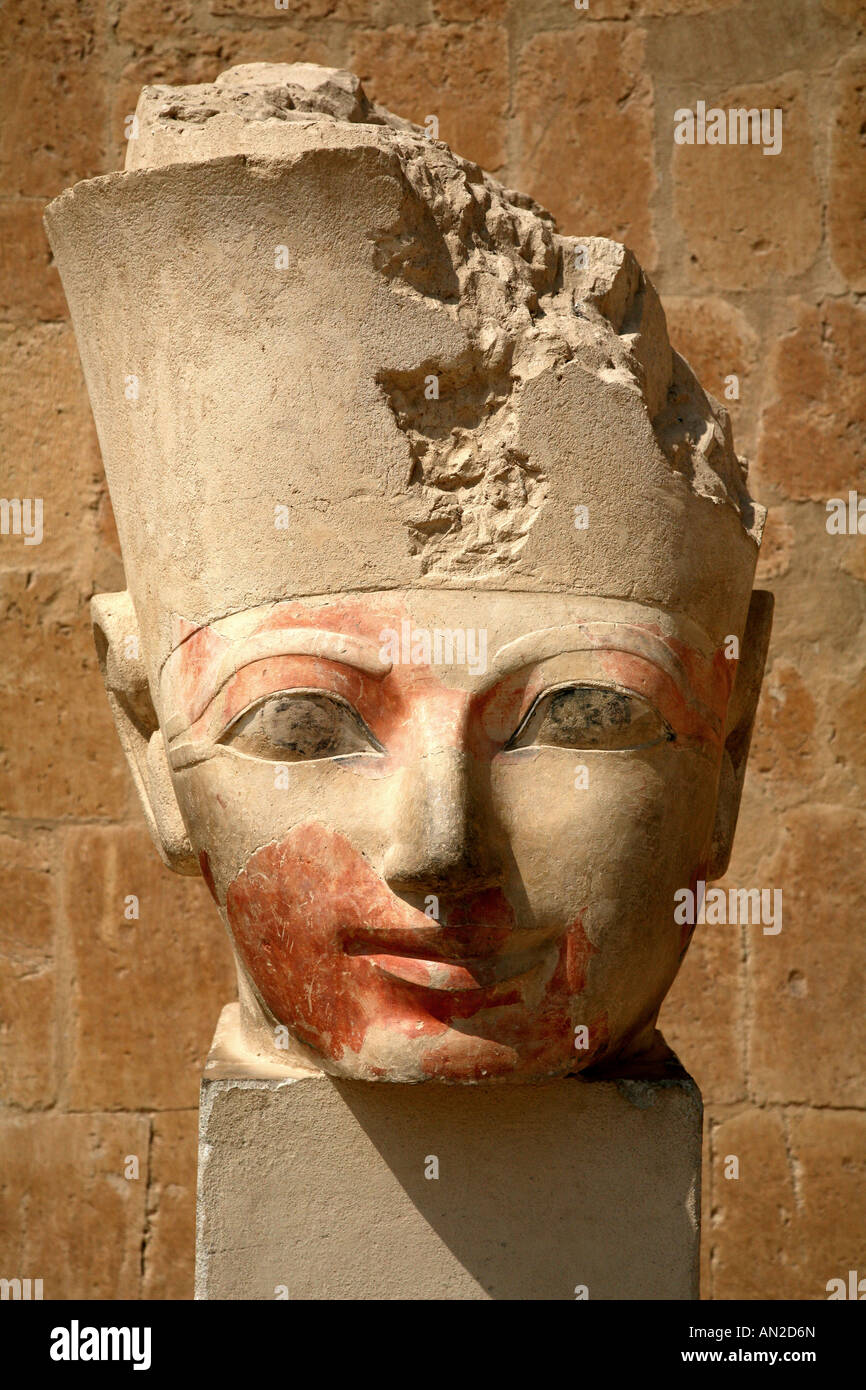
column 204, row 865
column 541, row 1039
column 393, row 706
column 712, row 681
column 578, row 952
column 193, row 666
column 309, row 913
column 259, row 679
column 530, row 1041
column 656, row 686
column 295, row 908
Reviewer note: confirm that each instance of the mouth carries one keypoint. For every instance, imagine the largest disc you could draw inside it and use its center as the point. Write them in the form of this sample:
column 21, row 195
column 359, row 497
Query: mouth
column 453, row 978
column 450, row 968
column 473, row 947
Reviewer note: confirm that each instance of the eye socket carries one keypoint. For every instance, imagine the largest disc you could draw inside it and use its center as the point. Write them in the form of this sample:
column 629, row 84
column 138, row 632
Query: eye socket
column 299, row 726
column 591, row 716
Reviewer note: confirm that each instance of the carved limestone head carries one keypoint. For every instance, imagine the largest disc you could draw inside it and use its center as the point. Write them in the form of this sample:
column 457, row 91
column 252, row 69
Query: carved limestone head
column 439, row 561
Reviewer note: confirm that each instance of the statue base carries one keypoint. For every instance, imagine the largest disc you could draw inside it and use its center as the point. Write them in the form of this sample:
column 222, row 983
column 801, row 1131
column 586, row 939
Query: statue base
column 315, row 1188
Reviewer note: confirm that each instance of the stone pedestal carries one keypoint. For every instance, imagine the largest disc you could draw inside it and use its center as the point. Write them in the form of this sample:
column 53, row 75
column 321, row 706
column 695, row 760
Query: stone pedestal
column 312, row 1188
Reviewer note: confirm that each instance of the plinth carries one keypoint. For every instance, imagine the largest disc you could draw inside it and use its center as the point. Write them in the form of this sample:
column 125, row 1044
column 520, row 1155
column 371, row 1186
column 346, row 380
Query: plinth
column 315, row 1188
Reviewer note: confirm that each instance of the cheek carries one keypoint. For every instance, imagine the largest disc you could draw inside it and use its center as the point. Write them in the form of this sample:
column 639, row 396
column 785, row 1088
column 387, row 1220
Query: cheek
column 292, row 910
column 233, row 806
column 585, row 827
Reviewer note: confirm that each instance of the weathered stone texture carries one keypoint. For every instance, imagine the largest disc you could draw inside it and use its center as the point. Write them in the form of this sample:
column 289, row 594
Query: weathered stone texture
column 794, row 1205
column 748, row 218
column 144, row 988
column 584, row 119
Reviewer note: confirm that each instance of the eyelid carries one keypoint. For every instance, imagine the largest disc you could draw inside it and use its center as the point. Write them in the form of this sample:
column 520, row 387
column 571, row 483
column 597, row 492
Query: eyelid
column 262, row 677
column 611, row 686
column 302, row 690
column 637, row 662
column 233, row 657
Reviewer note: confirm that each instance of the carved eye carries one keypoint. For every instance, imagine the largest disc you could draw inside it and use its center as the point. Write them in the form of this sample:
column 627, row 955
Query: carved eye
column 299, row 725
column 591, row 716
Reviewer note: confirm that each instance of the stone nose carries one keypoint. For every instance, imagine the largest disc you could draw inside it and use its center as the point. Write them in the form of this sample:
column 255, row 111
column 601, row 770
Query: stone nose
column 445, row 835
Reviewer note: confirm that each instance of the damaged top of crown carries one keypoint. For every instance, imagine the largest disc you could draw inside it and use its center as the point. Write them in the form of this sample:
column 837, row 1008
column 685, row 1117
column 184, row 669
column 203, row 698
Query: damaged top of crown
column 252, row 109
column 292, row 299
column 231, row 115
column 278, row 110
column 283, row 110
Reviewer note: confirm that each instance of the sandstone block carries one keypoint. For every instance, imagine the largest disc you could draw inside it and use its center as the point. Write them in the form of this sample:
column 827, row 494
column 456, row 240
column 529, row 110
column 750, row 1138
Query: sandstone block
column 147, row 989
column 29, row 284
column 812, row 441
column 169, row 1256
column 430, row 71
column 806, row 983
column 584, row 116
column 54, row 95
column 51, row 703
column 68, row 1214
column 750, row 218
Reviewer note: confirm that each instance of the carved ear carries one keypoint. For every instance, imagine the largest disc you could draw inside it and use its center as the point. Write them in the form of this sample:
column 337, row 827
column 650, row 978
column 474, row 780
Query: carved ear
column 118, row 647
column 738, row 729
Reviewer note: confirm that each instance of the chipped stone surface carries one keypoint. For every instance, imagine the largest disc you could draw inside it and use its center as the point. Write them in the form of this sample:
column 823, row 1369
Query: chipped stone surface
column 212, row 118
column 170, row 1230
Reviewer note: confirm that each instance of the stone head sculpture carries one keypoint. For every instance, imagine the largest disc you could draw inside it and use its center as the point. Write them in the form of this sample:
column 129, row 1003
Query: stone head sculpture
column 439, row 563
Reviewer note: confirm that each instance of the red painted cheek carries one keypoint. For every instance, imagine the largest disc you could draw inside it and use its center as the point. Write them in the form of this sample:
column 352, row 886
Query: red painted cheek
column 291, row 910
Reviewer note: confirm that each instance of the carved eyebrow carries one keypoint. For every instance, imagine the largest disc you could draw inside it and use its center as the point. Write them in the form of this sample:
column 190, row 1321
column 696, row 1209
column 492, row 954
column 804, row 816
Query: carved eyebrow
column 598, row 636
column 579, row 637
column 358, row 652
